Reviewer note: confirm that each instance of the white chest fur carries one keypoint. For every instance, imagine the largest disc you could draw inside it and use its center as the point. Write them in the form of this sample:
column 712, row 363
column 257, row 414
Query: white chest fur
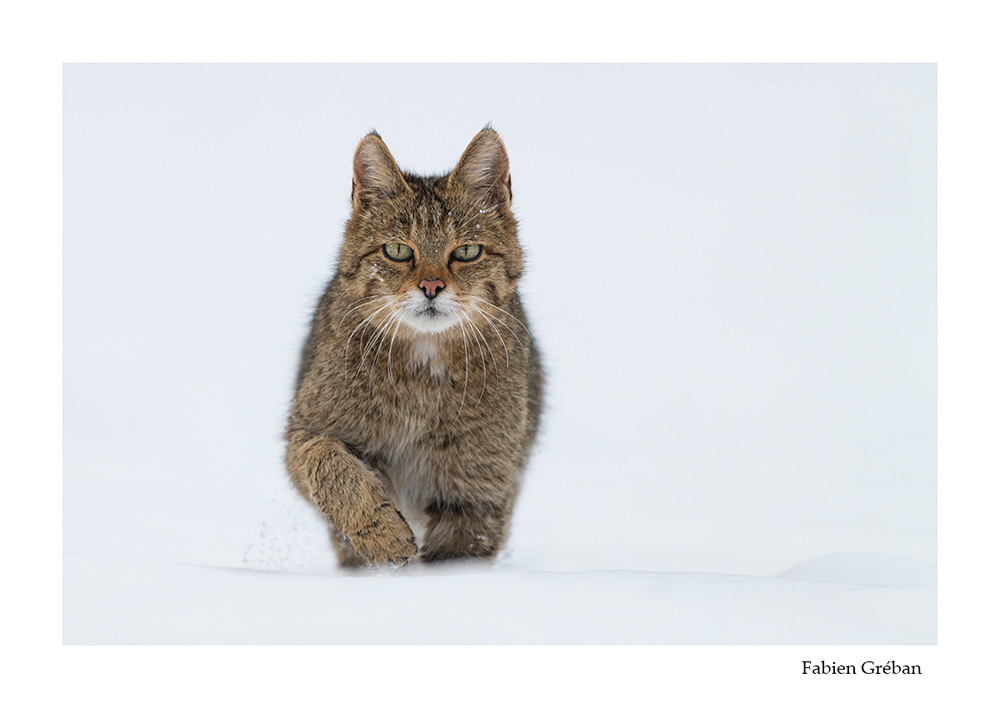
column 425, row 354
column 412, row 485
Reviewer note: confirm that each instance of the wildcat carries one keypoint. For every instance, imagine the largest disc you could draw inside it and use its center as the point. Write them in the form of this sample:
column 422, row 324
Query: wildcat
column 419, row 389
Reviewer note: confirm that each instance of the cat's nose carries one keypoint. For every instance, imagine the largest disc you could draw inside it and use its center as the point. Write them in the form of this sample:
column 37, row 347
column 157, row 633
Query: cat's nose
column 431, row 287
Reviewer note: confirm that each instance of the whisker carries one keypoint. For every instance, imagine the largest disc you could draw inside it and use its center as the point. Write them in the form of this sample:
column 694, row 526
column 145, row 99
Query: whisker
column 357, row 306
column 489, row 321
column 399, row 321
column 385, row 334
column 372, row 342
column 487, row 302
column 465, row 387
column 490, row 350
column 494, row 317
column 364, row 323
column 482, row 356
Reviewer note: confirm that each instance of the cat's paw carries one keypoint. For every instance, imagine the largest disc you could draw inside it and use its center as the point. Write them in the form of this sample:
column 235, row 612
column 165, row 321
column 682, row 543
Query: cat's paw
column 385, row 540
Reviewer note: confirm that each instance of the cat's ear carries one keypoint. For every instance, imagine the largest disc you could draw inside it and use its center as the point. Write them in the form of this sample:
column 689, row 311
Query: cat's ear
column 484, row 169
column 376, row 176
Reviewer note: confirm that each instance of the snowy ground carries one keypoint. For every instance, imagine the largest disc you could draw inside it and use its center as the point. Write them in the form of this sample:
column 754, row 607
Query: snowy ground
column 164, row 603
column 191, row 587
column 731, row 276
column 135, row 601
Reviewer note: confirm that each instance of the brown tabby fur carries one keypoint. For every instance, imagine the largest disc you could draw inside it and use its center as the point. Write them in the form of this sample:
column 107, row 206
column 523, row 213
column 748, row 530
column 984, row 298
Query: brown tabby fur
column 395, row 423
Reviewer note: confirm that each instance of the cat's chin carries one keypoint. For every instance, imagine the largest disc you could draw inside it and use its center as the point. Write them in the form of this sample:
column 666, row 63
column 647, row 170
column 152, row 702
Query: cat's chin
column 430, row 321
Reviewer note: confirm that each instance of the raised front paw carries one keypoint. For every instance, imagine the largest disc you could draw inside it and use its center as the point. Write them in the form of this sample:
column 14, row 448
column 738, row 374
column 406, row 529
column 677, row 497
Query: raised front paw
column 385, row 538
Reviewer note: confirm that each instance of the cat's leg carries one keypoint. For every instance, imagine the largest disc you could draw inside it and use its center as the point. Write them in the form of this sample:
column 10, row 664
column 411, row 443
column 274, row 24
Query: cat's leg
column 464, row 529
column 347, row 557
column 351, row 497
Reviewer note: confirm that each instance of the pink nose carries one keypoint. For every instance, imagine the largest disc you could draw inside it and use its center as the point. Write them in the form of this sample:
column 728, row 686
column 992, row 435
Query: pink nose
column 431, row 287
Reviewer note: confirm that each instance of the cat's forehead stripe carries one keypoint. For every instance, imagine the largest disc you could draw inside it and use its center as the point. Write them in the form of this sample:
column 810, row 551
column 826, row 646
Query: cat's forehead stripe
column 432, row 218
column 427, row 224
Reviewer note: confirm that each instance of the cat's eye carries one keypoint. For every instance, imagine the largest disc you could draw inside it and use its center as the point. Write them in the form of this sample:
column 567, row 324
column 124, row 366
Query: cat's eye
column 398, row 252
column 468, row 252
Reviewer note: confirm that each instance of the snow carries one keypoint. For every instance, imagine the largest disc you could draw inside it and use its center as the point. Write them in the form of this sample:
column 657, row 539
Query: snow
column 865, row 569
column 737, row 319
column 159, row 602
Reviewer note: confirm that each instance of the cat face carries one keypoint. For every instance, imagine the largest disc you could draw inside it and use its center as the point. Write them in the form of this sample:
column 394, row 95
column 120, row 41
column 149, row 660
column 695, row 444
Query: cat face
column 427, row 255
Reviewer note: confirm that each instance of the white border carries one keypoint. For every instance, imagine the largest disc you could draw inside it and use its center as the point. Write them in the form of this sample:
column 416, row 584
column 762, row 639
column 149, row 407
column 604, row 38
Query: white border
column 37, row 38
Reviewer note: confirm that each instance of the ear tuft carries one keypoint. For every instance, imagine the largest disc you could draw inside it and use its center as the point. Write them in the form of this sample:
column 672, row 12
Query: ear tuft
column 376, row 175
column 484, row 168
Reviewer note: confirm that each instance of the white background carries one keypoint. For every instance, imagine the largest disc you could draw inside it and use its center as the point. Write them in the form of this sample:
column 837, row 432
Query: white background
column 731, row 276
